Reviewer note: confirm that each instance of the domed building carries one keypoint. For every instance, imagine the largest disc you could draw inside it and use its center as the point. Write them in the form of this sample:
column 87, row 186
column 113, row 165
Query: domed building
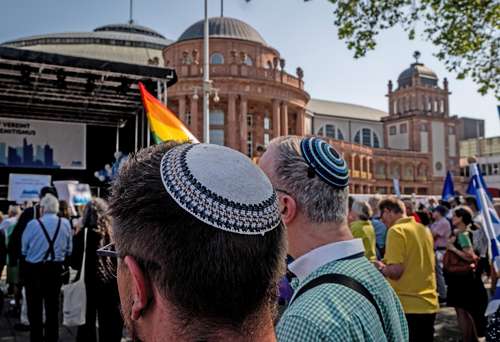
column 256, row 99
column 128, row 43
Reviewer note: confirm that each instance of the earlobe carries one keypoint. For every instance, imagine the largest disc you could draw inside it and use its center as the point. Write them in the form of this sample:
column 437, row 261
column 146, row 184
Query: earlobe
column 139, row 288
column 289, row 209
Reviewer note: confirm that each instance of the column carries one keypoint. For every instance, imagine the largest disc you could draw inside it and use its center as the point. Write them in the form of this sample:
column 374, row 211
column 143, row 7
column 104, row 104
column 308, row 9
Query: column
column 243, row 125
column 276, row 119
column 182, row 109
column 301, row 117
column 195, row 119
column 284, row 118
column 232, row 129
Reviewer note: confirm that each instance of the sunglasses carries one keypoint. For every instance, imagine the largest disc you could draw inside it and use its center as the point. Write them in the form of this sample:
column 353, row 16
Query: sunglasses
column 108, row 251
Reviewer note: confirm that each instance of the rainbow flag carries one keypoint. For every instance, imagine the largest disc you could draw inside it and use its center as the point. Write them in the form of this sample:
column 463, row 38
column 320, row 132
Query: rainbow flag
column 165, row 125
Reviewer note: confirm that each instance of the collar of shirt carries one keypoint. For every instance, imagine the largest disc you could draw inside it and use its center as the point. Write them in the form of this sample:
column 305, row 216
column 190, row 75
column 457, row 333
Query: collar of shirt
column 405, row 220
column 50, row 215
column 309, row 262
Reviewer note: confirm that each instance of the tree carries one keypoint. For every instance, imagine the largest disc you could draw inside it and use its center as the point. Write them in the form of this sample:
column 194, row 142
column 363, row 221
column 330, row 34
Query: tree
column 465, row 32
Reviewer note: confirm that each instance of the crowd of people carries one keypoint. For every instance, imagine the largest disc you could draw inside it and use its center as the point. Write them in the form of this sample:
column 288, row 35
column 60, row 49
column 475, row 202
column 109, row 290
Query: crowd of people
column 199, row 243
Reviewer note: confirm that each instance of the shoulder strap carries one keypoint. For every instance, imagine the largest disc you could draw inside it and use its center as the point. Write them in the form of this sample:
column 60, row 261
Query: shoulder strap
column 341, row 279
column 50, row 251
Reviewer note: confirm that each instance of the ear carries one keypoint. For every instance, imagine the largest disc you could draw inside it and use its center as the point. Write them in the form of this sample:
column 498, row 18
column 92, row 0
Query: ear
column 288, row 208
column 140, row 287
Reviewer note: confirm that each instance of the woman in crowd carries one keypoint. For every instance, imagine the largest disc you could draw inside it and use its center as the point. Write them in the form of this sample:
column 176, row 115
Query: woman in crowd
column 362, row 228
column 466, row 291
column 100, row 279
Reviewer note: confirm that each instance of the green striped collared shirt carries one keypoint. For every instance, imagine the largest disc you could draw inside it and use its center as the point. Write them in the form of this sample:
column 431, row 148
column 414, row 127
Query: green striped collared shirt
column 333, row 312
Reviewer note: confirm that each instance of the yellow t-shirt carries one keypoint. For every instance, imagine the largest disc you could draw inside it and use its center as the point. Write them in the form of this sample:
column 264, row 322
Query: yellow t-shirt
column 409, row 243
column 364, row 230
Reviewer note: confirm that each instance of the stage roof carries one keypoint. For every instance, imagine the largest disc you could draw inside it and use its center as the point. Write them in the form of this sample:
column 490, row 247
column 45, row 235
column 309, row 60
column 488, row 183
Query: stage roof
column 47, row 86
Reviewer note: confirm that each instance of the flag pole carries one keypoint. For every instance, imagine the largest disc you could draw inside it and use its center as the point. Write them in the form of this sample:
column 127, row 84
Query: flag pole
column 206, row 78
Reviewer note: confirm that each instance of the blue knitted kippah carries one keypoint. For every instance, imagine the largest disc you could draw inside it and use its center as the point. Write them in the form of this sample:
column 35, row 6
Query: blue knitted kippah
column 325, row 161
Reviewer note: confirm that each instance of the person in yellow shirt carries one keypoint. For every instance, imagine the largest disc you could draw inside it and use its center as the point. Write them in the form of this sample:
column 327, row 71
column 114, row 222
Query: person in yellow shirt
column 409, row 265
column 362, row 228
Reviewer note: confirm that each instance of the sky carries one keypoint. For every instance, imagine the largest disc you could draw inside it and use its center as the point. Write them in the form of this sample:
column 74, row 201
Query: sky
column 303, row 33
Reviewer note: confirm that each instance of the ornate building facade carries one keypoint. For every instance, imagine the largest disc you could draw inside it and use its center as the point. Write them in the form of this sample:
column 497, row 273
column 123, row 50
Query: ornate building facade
column 256, row 99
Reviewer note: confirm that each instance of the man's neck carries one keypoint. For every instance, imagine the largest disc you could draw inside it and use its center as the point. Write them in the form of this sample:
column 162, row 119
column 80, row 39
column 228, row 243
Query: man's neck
column 316, row 235
column 163, row 325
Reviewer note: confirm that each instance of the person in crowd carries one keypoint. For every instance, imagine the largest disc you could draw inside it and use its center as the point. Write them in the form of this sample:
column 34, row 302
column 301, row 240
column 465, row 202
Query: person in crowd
column 466, row 291
column 410, row 209
column 362, row 228
column 200, row 242
column 354, row 302
column 12, row 216
column 100, row 280
column 441, row 231
column 378, row 226
column 14, row 246
column 409, row 265
column 259, row 151
column 481, row 243
column 46, row 243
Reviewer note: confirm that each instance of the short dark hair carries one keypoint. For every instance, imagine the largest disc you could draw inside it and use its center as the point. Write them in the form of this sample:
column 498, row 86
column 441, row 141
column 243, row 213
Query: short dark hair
column 471, row 201
column 210, row 275
column 48, row 190
column 392, row 204
column 465, row 214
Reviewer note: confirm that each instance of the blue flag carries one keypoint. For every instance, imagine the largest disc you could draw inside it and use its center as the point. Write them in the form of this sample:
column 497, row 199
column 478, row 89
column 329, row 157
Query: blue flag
column 491, row 226
column 448, row 188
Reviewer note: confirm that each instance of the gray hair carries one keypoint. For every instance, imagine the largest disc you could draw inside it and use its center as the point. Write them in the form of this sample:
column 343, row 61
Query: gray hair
column 50, row 204
column 362, row 209
column 14, row 210
column 319, row 201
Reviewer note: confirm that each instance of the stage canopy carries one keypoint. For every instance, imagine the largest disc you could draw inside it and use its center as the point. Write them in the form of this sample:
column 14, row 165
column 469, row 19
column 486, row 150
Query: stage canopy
column 47, row 86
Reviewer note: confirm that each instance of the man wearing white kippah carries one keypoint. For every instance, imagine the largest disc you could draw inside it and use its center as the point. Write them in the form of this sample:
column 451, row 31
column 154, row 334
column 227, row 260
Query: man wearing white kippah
column 200, row 245
column 338, row 294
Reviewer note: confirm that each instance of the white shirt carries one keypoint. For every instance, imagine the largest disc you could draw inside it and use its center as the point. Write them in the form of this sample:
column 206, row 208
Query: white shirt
column 311, row 261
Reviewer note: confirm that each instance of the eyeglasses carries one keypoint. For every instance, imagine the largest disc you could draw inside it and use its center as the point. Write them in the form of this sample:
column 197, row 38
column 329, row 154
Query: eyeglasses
column 282, row 191
column 108, row 251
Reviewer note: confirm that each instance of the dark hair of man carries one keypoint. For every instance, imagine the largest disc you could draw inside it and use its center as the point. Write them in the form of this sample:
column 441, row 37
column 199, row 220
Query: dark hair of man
column 424, row 217
column 471, row 202
column 392, row 204
column 465, row 214
column 48, row 190
column 214, row 278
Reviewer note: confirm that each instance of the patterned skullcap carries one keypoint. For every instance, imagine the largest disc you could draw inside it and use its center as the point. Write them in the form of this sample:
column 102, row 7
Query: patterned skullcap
column 325, row 162
column 220, row 187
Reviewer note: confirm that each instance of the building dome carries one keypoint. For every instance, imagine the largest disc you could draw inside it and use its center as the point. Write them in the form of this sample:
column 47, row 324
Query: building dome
column 426, row 75
column 223, row 27
column 129, row 43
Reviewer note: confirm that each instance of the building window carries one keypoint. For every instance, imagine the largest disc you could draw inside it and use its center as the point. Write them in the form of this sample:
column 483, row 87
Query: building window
column 340, row 136
column 403, row 128
column 217, row 117
column 216, row 120
column 249, row 121
column 357, row 138
column 424, row 127
column 451, row 129
column 376, row 142
column 267, row 123
column 366, row 132
column 392, row 130
column 250, row 144
column 248, row 60
column 266, row 139
column 217, row 136
column 217, row 58
column 330, row 131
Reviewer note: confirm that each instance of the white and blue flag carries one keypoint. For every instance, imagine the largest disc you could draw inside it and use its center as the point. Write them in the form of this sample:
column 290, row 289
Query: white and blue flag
column 477, row 187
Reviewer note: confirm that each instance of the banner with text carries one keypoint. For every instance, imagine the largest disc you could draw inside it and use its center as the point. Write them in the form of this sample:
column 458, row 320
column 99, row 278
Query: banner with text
column 23, row 187
column 42, row 144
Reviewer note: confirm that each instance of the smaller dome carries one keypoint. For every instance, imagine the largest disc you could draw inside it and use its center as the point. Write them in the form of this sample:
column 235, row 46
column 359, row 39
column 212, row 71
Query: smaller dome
column 223, row 27
column 427, row 76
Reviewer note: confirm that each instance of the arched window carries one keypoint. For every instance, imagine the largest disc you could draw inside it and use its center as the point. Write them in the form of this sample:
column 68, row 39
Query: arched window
column 330, row 131
column 248, row 60
column 217, row 58
column 367, row 137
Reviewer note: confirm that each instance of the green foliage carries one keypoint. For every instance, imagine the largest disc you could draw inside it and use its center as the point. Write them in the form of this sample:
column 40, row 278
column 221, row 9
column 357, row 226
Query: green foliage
column 466, row 32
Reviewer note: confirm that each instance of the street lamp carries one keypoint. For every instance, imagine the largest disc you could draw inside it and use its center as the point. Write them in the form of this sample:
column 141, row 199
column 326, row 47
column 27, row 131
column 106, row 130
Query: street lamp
column 207, row 84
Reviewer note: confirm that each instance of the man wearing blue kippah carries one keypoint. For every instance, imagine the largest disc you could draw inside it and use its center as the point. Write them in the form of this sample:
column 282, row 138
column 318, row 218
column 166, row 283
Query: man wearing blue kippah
column 338, row 294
